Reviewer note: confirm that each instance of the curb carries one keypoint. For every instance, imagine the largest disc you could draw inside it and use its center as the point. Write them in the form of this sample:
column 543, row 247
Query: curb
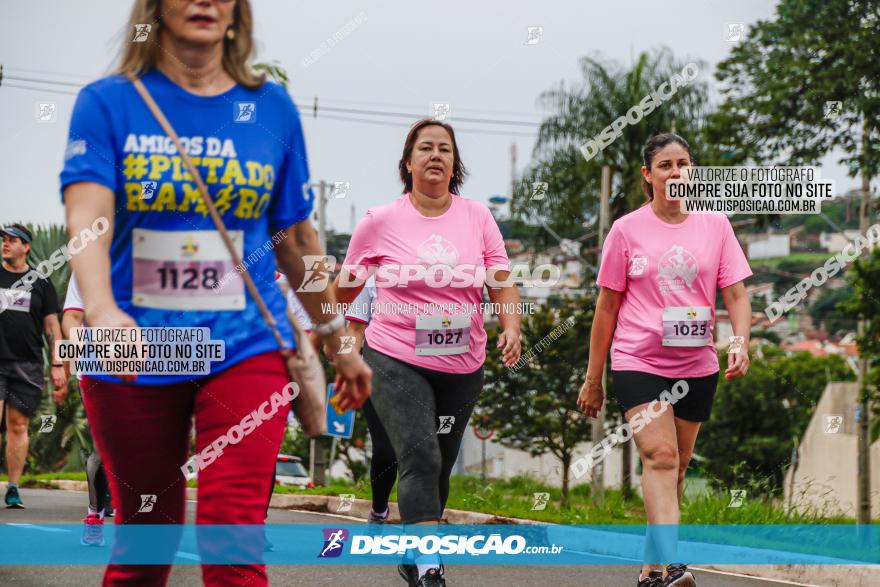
column 810, row 575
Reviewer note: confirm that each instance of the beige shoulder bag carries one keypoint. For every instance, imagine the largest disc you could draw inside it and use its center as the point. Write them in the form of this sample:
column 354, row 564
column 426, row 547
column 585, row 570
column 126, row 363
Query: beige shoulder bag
column 304, row 366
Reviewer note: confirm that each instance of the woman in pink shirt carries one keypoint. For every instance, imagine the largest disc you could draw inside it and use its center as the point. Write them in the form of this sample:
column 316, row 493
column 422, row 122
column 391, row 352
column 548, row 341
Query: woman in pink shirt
column 426, row 343
column 659, row 273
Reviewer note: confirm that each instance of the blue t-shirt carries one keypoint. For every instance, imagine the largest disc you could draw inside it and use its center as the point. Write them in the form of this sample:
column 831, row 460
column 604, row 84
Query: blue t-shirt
column 168, row 265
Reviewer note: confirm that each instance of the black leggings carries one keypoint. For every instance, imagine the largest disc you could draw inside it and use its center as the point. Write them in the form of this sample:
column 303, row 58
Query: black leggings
column 99, row 489
column 414, row 405
column 383, row 463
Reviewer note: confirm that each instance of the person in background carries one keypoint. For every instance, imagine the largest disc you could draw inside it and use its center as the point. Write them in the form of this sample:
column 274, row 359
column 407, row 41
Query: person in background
column 96, row 478
column 428, row 363
column 27, row 313
column 383, row 462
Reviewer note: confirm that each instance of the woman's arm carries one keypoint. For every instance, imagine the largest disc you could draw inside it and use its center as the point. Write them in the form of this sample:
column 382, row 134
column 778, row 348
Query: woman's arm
column 85, row 202
column 509, row 340
column 349, row 293
column 739, row 308
column 353, row 380
column 592, row 395
column 356, row 328
column 317, row 299
column 604, row 322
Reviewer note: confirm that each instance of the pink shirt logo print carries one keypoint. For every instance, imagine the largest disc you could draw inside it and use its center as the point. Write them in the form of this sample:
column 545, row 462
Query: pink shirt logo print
column 436, row 250
column 677, row 269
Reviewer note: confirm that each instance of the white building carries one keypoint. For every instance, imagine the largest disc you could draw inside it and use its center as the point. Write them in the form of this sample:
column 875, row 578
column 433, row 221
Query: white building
column 824, row 478
column 833, row 242
column 767, row 246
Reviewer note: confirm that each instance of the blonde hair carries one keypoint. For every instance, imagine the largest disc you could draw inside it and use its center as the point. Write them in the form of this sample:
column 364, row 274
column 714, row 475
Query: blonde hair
column 139, row 58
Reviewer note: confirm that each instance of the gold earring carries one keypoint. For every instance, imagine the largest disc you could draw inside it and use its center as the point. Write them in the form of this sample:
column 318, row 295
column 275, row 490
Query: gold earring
column 230, row 33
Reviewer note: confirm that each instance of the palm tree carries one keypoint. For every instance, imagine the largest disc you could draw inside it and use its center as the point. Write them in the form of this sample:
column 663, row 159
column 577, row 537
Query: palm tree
column 580, row 112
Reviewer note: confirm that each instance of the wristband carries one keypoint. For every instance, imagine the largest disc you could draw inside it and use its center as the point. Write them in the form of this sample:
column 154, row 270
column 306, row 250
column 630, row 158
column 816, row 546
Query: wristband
column 57, row 364
column 330, row 326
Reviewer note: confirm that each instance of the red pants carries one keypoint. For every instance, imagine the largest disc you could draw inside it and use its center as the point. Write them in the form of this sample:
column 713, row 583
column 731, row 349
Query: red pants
column 143, row 435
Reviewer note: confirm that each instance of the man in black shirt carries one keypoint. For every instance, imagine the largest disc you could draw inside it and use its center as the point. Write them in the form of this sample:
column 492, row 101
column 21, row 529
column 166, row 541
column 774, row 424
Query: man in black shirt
column 24, row 316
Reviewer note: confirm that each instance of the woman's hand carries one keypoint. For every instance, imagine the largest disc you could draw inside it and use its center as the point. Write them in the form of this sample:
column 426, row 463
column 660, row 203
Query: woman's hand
column 354, row 380
column 737, row 363
column 110, row 316
column 509, row 343
column 592, row 396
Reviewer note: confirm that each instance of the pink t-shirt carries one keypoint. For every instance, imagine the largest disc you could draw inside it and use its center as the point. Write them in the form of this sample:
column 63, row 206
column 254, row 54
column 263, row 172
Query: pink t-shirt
column 464, row 238
column 660, row 266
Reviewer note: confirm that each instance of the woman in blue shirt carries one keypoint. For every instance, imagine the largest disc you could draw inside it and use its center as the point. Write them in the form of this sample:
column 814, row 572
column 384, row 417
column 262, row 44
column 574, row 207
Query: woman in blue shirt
column 163, row 264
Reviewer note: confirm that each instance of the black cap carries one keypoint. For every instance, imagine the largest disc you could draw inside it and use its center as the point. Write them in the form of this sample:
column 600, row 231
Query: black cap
column 16, row 232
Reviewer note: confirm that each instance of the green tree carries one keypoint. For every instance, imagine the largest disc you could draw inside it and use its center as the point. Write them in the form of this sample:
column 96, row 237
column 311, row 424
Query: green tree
column 827, row 310
column 579, row 113
column 533, row 407
column 865, row 304
column 275, row 71
column 777, row 82
column 758, row 419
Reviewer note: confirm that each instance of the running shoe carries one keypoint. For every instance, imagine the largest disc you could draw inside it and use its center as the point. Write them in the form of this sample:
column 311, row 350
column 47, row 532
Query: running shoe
column 375, row 518
column 93, row 533
column 654, row 579
column 432, row 578
column 680, row 576
column 13, row 500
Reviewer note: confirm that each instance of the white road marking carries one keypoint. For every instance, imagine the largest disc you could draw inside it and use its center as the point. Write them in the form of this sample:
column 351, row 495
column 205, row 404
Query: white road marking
column 766, row 579
column 35, row 527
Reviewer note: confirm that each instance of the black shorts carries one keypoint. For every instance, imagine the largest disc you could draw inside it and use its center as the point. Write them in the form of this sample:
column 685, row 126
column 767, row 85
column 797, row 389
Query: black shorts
column 21, row 385
column 634, row 388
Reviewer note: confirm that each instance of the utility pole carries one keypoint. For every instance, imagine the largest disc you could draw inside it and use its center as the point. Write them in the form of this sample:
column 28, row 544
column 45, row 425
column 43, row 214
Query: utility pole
column 317, row 451
column 597, row 483
column 863, row 491
column 322, row 212
column 512, row 169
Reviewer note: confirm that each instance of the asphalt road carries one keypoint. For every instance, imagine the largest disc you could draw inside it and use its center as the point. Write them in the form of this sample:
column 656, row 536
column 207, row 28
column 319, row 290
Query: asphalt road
column 64, row 507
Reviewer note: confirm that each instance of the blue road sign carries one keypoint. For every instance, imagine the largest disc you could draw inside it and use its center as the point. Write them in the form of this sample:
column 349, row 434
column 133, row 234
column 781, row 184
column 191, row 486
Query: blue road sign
column 338, row 425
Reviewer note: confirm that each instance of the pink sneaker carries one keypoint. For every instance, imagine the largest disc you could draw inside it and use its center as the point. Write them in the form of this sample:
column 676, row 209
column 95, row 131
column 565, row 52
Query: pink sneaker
column 93, row 533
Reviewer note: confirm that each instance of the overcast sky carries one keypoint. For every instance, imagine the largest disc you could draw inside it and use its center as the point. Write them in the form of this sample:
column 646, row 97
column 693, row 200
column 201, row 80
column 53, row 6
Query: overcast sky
column 399, row 57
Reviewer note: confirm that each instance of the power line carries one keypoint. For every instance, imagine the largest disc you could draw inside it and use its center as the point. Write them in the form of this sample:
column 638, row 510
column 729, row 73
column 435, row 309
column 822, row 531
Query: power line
column 31, row 72
column 23, row 71
column 408, row 115
column 40, row 81
column 32, row 89
column 412, row 116
column 400, row 125
column 390, row 105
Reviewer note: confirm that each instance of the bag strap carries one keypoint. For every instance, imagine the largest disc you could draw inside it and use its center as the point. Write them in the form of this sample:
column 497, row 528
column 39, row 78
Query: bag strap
column 212, row 210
